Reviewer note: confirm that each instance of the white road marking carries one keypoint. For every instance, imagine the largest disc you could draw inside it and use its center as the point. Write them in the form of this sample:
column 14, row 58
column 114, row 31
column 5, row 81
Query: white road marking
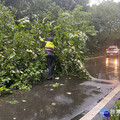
column 93, row 57
column 93, row 112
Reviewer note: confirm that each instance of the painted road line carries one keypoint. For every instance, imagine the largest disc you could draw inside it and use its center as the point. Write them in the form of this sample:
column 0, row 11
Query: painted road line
column 92, row 113
column 93, row 57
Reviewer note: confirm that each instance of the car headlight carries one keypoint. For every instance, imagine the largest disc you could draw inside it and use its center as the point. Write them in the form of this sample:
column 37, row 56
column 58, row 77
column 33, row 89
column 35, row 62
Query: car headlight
column 115, row 51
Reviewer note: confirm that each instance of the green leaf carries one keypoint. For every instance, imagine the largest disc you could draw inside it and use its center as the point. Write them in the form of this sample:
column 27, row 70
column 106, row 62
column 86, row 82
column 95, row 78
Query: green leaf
column 12, row 55
column 13, row 102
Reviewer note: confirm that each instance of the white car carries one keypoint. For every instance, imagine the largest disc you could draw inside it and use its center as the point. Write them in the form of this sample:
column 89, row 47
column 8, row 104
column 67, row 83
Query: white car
column 112, row 51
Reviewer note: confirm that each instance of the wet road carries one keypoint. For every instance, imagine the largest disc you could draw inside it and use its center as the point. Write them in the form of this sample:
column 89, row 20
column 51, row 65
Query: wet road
column 69, row 99
column 104, row 68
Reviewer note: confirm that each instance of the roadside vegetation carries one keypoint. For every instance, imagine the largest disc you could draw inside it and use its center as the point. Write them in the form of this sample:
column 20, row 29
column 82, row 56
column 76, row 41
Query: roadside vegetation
column 78, row 30
column 114, row 113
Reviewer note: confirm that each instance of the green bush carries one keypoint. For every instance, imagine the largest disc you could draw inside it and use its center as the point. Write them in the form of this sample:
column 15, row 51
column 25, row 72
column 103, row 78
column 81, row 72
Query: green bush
column 22, row 57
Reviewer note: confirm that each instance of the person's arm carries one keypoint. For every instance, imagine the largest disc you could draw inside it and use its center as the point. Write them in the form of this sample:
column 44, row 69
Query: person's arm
column 42, row 40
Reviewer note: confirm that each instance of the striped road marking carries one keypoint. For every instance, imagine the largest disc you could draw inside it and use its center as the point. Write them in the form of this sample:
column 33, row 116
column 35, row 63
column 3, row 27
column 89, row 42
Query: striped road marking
column 93, row 112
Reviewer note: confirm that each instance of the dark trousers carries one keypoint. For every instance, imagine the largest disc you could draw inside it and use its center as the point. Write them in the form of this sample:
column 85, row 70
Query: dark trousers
column 49, row 62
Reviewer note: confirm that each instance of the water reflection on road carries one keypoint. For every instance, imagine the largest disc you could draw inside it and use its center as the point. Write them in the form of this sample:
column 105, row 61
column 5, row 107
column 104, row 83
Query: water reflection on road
column 104, row 68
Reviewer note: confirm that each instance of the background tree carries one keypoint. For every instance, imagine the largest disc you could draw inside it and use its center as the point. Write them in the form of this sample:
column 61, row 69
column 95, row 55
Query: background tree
column 70, row 4
column 106, row 20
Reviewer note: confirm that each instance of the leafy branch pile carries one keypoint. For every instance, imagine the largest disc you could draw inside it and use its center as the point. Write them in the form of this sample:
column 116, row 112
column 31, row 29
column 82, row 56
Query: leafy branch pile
column 22, row 57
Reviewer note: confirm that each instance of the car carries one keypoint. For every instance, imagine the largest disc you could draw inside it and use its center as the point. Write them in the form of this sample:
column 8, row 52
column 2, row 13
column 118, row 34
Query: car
column 112, row 51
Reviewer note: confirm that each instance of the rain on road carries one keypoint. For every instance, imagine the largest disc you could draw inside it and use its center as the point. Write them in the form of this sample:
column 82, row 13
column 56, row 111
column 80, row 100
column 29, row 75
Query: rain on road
column 71, row 99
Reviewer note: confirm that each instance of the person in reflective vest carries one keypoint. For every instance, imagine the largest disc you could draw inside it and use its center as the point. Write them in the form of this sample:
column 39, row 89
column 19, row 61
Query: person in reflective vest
column 49, row 50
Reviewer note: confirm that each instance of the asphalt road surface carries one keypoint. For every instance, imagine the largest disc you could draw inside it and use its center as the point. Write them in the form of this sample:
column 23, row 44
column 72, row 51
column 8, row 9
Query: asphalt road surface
column 67, row 98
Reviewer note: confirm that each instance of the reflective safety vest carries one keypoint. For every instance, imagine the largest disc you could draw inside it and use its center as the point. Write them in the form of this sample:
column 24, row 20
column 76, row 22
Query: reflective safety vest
column 49, row 46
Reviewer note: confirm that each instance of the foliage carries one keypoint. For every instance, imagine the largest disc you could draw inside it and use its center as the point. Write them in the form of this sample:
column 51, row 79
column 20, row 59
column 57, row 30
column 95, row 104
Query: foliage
column 70, row 4
column 53, row 85
column 13, row 102
column 114, row 113
column 22, row 55
column 22, row 61
column 106, row 21
column 75, row 14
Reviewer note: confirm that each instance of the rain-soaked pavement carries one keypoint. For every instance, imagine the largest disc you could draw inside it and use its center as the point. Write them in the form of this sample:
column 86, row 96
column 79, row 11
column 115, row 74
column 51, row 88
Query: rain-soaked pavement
column 70, row 99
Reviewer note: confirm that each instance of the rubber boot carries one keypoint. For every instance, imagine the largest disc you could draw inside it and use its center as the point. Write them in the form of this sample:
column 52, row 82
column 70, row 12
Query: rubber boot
column 50, row 73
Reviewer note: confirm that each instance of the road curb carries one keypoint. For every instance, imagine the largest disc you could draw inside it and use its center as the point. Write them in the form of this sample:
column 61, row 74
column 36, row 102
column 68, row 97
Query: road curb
column 93, row 112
